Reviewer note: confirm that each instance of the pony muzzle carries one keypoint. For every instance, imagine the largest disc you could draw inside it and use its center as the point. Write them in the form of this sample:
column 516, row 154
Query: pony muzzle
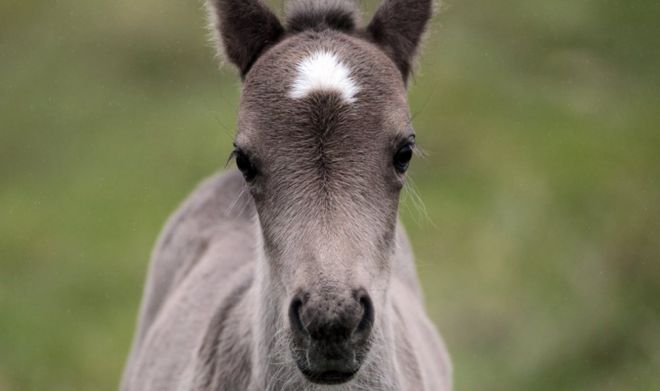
column 330, row 334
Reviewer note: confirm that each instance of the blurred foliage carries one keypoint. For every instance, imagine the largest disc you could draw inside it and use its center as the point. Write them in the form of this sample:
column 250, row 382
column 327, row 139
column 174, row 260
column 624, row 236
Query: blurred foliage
column 538, row 229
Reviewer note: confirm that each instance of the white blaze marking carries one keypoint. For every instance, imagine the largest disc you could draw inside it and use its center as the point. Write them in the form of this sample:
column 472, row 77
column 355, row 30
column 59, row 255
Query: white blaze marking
column 322, row 71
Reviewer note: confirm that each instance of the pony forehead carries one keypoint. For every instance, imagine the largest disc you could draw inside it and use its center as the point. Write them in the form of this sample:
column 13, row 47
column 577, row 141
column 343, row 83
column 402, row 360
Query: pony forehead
column 322, row 70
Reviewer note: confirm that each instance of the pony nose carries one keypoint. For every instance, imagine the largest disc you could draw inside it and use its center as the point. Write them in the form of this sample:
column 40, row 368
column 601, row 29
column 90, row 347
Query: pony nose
column 332, row 318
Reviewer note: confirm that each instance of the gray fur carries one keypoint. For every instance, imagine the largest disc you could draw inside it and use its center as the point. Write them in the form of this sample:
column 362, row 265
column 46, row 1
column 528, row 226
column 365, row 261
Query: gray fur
column 320, row 216
column 340, row 15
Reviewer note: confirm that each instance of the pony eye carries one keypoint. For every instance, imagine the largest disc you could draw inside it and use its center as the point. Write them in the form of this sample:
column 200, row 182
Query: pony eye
column 245, row 165
column 402, row 158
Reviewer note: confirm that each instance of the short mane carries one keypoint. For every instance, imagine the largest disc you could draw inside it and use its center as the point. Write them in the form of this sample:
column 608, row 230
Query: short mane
column 304, row 15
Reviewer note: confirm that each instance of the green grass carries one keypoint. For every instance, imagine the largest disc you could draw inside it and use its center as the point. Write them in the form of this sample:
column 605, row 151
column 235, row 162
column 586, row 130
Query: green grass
column 539, row 244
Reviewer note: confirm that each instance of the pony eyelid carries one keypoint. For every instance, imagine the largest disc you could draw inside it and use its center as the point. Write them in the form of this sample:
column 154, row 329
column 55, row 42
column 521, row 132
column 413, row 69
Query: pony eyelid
column 407, row 140
column 232, row 156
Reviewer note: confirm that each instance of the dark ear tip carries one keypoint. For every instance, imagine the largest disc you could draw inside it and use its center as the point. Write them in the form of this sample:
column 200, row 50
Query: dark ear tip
column 246, row 29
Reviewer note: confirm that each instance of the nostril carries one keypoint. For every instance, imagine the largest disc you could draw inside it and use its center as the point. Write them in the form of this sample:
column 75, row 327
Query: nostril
column 294, row 316
column 367, row 321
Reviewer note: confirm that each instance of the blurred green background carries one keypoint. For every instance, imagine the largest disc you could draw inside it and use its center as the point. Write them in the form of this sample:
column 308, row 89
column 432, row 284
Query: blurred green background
column 538, row 229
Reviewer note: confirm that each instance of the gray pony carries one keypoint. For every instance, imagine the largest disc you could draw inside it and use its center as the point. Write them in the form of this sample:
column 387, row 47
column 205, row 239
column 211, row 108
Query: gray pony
column 293, row 272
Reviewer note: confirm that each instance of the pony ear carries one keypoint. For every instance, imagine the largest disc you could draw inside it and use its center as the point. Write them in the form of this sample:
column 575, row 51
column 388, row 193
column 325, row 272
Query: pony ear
column 398, row 26
column 246, row 29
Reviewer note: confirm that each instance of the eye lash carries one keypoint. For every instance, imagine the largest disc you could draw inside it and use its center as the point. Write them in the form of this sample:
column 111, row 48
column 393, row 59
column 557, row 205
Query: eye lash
column 232, row 156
